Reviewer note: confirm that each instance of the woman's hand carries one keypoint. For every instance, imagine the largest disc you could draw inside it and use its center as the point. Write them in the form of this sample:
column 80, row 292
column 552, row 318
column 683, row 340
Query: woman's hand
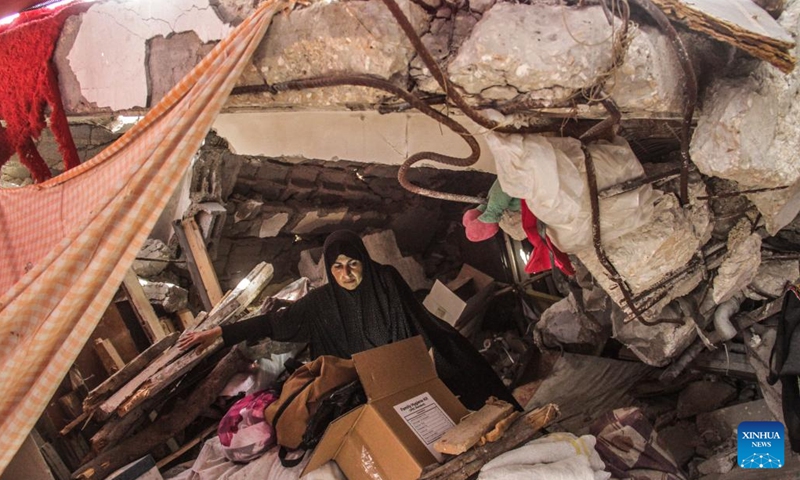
column 203, row 338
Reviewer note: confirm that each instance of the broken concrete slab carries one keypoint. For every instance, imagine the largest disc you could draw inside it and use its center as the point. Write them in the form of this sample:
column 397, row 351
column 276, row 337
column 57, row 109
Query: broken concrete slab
column 740, row 264
column 329, row 38
column 492, row 63
column 657, row 344
column 152, row 259
column 771, row 278
column 168, row 295
column 748, row 133
column 704, row 396
column 741, row 23
column 564, row 325
column 544, row 54
column 648, row 255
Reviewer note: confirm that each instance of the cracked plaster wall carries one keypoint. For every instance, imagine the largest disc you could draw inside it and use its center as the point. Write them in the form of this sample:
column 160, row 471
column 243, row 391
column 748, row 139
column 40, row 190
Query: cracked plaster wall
column 109, row 51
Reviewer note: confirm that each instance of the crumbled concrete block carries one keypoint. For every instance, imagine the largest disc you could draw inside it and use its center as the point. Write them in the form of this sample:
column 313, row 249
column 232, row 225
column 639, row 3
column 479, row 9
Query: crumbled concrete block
column 168, row 295
column 657, row 344
column 771, row 278
column 152, row 259
column 563, row 324
column 335, row 37
column 740, row 265
column 647, row 255
column 546, row 53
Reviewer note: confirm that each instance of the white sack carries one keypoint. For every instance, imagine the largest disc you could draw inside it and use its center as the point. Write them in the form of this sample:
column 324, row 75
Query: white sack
column 549, row 173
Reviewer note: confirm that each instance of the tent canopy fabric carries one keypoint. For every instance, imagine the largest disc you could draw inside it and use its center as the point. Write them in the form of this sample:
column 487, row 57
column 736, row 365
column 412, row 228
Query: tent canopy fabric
column 66, row 244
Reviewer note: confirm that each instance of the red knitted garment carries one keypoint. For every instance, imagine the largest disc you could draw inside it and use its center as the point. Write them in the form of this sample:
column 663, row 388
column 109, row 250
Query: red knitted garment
column 28, row 84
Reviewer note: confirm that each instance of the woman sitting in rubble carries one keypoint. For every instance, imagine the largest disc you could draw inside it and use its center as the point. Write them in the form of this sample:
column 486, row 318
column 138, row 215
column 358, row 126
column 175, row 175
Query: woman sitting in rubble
column 363, row 306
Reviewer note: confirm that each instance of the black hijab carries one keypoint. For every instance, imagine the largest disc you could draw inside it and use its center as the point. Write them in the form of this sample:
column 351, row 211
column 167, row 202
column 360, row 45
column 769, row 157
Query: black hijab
column 371, row 315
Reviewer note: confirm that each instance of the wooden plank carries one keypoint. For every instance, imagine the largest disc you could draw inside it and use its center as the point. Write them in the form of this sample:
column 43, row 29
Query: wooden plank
column 141, row 305
column 233, row 304
column 469, row 431
column 199, row 262
column 185, row 448
column 469, row 463
column 186, row 319
column 51, row 457
column 130, row 370
column 82, row 418
column 109, row 356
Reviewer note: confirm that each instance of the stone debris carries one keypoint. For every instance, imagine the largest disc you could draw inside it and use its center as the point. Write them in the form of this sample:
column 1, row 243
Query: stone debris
column 740, row 266
column 171, row 297
column 152, row 259
column 563, row 325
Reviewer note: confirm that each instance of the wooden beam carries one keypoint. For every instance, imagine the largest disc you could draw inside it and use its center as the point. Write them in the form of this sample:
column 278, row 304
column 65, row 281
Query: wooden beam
column 470, row 462
column 130, row 370
column 198, row 262
column 469, row 431
column 183, row 413
column 186, row 319
column 141, row 305
column 109, row 356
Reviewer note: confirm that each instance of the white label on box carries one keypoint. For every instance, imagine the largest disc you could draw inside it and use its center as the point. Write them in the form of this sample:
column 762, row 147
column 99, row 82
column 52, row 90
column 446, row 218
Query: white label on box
column 426, row 419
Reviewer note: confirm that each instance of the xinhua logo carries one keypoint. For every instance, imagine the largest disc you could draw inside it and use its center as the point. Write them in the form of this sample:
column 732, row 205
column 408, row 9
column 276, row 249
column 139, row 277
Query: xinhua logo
column 760, row 444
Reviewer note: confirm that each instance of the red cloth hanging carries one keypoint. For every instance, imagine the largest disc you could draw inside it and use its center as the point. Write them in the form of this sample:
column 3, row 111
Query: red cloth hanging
column 30, row 83
column 540, row 257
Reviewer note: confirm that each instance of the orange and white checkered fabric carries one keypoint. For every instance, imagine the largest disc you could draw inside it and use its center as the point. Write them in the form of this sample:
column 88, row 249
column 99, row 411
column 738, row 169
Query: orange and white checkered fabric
column 66, row 244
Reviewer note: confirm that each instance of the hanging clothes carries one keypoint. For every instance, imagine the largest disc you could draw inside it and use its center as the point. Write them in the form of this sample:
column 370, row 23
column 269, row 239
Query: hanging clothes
column 543, row 249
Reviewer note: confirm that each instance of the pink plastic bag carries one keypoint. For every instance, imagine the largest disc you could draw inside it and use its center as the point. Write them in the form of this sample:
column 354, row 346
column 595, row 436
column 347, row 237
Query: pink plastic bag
column 243, row 432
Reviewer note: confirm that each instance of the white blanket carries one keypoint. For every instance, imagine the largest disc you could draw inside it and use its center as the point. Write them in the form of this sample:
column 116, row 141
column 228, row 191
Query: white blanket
column 211, row 464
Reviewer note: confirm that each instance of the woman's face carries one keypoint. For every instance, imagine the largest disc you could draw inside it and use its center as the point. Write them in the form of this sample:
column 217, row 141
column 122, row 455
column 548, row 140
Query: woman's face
column 348, row 272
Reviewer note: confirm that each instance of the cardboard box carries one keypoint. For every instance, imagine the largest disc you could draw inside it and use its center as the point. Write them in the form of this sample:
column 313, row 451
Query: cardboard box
column 408, row 408
column 461, row 299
